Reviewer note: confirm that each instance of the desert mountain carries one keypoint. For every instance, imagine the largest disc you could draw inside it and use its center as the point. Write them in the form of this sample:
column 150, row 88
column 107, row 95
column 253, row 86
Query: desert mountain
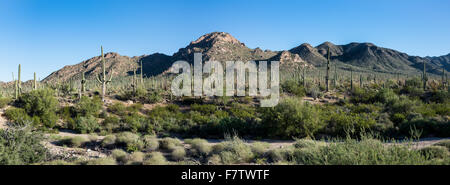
column 221, row 46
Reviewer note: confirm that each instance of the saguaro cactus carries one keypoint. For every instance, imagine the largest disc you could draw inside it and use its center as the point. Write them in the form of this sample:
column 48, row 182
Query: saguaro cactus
column 34, row 82
column 134, row 82
column 328, row 70
column 142, row 74
column 360, row 81
column 102, row 79
column 83, row 82
column 335, row 75
column 304, row 77
column 351, row 78
column 424, row 77
column 18, row 83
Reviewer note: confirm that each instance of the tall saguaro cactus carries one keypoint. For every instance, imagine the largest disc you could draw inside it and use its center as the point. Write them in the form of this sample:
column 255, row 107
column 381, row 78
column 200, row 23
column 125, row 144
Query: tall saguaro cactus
column 304, row 78
column 360, row 81
column 18, row 83
column 142, row 74
column 424, row 77
column 34, row 82
column 101, row 78
column 83, row 82
column 327, row 77
column 351, row 78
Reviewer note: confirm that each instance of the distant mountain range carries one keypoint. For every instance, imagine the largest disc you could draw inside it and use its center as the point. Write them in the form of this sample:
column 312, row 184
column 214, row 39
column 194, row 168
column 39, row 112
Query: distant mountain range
column 221, row 46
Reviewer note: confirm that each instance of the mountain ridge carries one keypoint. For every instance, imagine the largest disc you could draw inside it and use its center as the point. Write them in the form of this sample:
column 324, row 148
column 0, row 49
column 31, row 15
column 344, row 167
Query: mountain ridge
column 222, row 46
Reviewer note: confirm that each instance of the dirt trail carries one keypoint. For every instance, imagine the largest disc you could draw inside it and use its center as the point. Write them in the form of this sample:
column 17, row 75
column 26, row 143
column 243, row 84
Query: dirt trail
column 3, row 120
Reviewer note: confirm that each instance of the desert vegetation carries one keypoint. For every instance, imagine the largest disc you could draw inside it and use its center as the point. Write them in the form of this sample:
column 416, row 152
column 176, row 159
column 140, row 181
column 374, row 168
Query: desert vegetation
column 350, row 116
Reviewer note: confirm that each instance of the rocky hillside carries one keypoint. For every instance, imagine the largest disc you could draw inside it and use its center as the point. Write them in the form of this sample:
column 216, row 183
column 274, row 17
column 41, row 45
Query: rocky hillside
column 221, row 46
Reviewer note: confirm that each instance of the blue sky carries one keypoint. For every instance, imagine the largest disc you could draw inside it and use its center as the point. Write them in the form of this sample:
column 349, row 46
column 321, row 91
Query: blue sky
column 45, row 35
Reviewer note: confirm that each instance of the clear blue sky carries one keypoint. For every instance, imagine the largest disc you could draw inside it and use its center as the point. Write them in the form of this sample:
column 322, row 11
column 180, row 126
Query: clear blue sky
column 45, row 35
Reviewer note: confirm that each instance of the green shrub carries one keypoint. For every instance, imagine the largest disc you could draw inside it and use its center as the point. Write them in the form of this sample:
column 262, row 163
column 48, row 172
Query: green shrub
column 101, row 161
column 21, row 145
column 120, row 156
column 151, row 143
column 169, row 143
column 236, row 151
column 155, row 158
column 89, row 106
column 76, row 141
column 205, row 109
column 439, row 152
column 367, row 151
column 259, row 148
column 281, row 155
column 307, row 143
column 118, row 109
column 178, row 153
column 18, row 116
column 41, row 105
column 87, row 124
column 109, row 141
column 135, row 158
column 444, row 143
column 291, row 119
column 130, row 141
column 293, row 87
column 199, row 146
column 4, row 102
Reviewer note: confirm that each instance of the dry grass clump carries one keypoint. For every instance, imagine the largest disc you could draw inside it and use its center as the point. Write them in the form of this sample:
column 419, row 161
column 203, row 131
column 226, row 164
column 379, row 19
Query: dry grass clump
column 199, row 146
column 155, row 158
column 178, row 153
column 169, row 143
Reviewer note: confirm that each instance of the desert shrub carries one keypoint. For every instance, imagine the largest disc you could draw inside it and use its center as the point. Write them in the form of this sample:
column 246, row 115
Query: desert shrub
column 168, row 143
column 236, row 151
column 130, row 141
column 109, row 141
column 426, row 126
column 362, row 95
column 366, row 151
column 4, row 102
column 439, row 152
column 135, row 158
column 120, row 156
column 151, row 143
column 134, row 123
column 41, row 105
column 110, row 123
column 21, row 145
column 135, row 107
column 178, row 153
column 281, row 155
column 87, row 124
column 438, row 96
column 155, row 158
column 199, row 146
column 305, row 143
column 242, row 111
column 444, row 143
column 142, row 95
column 101, row 161
column 89, row 106
column 293, row 87
column 18, row 116
column 214, row 160
column 259, row 148
column 205, row 109
column 314, row 92
column 291, row 119
column 340, row 123
column 76, row 141
column 118, row 109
